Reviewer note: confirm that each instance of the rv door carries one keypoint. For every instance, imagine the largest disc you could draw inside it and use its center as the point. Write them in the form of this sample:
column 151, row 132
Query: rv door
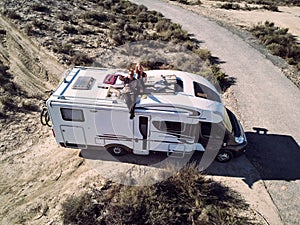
column 73, row 136
column 141, row 135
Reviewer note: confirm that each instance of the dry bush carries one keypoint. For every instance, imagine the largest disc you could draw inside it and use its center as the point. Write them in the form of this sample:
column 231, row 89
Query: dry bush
column 70, row 29
column 185, row 198
column 278, row 41
column 81, row 59
column 266, row 2
column 12, row 14
column 40, row 8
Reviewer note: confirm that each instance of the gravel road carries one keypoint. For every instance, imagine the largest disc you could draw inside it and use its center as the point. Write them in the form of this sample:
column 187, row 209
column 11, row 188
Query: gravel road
column 266, row 99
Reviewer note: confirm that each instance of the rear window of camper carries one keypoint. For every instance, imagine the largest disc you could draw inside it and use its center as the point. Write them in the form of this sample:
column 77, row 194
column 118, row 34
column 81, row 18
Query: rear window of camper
column 72, row 114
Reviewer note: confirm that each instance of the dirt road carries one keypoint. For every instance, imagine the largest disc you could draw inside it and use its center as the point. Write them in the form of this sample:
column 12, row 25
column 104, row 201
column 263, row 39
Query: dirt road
column 266, row 99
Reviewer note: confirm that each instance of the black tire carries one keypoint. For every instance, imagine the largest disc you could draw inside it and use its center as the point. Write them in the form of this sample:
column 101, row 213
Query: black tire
column 43, row 118
column 224, row 156
column 48, row 120
column 117, row 150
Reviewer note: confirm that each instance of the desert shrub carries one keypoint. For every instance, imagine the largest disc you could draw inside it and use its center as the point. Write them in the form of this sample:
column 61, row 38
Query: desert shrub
column 62, row 16
column 143, row 17
column 2, row 31
column 63, row 48
column 97, row 16
column 29, row 30
column 3, row 70
column 12, row 15
column 85, row 30
column 180, row 35
column 229, row 6
column 188, row 2
column 278, row 41
column 40, row 24
column 202, row 53
column 220, row 79
column 185, row 198
column 117, row 37
column 267, row 2
column 81, row 59
column 28, row 105
column 40, row 8
column 273, row 8
column 70, row 29
column 77, row 41
column 7, row 102
column 131, row 28
column 162, row 25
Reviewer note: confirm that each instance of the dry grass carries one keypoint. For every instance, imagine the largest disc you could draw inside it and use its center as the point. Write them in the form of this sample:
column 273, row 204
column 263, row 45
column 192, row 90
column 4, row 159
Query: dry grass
column 10, row 96
column 79, row 32
column 279, row 42
column 185, row 198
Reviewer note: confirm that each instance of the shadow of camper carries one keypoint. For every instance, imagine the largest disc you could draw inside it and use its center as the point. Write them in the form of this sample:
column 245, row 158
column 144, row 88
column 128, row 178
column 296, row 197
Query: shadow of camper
column 154, row 159
column 270, row 157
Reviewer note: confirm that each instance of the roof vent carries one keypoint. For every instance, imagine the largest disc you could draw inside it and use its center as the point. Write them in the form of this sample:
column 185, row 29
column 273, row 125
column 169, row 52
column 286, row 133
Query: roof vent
column 83, row 83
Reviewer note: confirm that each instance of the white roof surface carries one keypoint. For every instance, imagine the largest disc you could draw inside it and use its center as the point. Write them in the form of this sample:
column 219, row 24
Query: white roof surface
column 97, row 92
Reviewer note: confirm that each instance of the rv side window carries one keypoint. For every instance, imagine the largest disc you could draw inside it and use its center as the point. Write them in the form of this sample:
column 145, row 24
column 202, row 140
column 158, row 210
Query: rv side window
column 72, row 114
column 169, row 126
column 205, row 129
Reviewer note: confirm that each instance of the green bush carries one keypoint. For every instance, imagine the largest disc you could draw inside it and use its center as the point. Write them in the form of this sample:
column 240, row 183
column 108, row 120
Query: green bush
column 81, row 59
column 40, row 8
column 267, row 2
column 278, row 41
column 230, row 6
column 70, row 29
column 62, row 16
column 273, row 8
column 12, row 15
column 185, row 198
column 63, row 49
column 188, row 2
column 40, row 24
column 162, row 25
column 97, row 16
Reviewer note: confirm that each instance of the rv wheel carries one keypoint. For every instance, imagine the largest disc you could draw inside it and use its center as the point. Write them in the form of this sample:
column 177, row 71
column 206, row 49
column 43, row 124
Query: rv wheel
column 117, row 150
column 224, row 156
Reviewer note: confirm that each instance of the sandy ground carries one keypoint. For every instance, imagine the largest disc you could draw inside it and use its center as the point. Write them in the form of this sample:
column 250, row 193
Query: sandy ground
column 287, row 17
column 37, row 174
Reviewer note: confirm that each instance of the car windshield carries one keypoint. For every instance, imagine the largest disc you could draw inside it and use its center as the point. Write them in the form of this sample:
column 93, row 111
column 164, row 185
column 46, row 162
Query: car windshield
column 202, row 91
column 227, row 122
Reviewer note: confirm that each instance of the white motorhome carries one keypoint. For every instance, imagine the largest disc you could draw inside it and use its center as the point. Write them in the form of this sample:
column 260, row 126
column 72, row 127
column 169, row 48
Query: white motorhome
column 176, row 113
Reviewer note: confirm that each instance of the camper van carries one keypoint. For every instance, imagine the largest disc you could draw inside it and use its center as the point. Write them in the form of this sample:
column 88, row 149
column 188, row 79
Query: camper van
column 176, row 112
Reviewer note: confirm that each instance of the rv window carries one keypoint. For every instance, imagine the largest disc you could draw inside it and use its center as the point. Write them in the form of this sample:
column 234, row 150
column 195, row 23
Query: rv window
column 205, row 129
column 169, row 126
column 72, row 114
column 203, row 91
column 179, row 85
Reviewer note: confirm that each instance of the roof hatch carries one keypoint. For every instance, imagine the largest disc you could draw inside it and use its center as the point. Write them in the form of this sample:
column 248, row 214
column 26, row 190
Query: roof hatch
column 83, row 83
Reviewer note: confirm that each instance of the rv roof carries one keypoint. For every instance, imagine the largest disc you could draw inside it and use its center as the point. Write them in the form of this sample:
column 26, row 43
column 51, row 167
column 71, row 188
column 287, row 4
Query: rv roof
column 85, row 85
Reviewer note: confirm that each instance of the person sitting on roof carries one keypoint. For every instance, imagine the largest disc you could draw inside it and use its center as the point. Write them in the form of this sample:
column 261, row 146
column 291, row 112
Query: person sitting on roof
column 141, row 76
column 130, row 91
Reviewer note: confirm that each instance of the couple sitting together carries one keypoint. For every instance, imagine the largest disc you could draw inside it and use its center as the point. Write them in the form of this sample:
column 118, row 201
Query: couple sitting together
column 133, row 87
